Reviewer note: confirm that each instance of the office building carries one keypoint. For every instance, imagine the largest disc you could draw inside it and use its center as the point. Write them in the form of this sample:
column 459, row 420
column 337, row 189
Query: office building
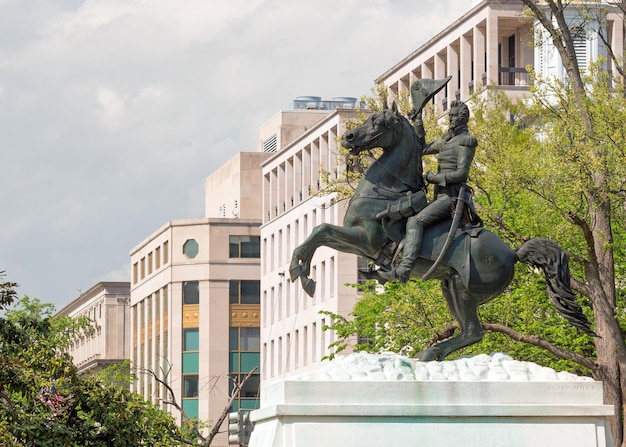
column 194, row 299
column 106, row 304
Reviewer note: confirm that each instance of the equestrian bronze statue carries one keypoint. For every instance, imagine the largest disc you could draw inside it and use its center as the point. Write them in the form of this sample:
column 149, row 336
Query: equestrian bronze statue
column 472, row 264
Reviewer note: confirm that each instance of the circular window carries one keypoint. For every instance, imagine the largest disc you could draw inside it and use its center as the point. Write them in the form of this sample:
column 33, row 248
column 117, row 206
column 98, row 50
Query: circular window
column 190, row 248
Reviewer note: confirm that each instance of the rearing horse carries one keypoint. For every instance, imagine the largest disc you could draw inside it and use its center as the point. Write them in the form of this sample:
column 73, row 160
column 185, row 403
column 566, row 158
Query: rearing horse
column 478, row 267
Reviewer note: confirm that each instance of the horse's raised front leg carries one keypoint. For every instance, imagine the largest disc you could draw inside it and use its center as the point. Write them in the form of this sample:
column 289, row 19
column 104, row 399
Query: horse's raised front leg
column 346, row 239
column 465, row 310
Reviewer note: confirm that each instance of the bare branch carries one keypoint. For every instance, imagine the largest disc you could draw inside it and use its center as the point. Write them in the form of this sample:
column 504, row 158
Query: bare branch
column 224, row 414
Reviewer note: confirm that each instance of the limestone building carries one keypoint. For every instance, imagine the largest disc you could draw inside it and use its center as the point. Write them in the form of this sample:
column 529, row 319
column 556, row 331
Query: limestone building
column 490, row 47
column 195, row 298
column 293, row 339
column 106, row 304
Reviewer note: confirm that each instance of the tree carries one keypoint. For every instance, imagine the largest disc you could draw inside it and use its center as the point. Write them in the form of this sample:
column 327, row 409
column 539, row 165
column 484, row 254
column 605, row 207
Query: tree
column 555, row 167
column 194, row 429
column 584, row 127
column 45, row 403
column 8, row 294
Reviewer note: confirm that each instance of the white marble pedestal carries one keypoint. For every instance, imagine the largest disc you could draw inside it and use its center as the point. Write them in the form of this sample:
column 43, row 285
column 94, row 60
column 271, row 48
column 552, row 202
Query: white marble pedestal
column 388, row 400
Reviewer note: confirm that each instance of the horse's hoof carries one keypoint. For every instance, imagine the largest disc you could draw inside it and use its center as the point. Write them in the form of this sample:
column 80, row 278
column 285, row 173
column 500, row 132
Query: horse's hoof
column 430, row 355
column 308, row 285
column 295, row 271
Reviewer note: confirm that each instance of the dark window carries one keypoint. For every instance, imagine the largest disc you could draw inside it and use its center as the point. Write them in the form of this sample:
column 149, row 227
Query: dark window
column 245, row 246
column 244, row 345
column 250, row 389
column 191, row 292
column 245, row 292
column 190, row 386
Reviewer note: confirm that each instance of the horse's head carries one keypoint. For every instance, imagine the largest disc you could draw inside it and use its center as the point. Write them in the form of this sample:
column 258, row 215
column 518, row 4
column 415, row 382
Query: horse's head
column 380, row 130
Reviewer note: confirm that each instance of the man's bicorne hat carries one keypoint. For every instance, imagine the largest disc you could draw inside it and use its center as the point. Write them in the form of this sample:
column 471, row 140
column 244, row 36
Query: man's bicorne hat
column 423, row 91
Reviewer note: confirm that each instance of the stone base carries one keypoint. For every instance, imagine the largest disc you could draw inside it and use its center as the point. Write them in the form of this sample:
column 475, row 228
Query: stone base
column 379, row 400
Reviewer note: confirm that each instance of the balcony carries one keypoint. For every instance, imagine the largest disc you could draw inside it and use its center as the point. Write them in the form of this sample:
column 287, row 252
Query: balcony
column 513, row 76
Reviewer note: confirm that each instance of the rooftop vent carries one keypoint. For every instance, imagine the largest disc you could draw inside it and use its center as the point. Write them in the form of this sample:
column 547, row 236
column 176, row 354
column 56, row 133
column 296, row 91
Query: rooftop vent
column 316, row 103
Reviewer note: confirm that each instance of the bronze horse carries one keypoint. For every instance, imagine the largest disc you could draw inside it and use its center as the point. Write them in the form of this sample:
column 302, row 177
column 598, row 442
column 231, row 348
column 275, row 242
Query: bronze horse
column 478, row 267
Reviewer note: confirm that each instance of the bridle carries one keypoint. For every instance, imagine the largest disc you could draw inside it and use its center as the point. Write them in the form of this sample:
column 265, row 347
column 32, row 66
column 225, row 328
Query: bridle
column 371, row 142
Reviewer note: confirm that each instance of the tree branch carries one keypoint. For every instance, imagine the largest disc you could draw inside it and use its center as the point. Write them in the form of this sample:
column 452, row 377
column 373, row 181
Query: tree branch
column 535, row 340
column 9, row 402
column 224, row 414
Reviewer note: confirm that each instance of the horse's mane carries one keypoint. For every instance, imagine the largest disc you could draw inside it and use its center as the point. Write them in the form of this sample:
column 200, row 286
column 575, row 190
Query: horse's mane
column 416, row 138
column 417, row 144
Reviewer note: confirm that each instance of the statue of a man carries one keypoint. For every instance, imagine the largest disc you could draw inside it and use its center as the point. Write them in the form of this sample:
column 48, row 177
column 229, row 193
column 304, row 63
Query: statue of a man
column 456, row 151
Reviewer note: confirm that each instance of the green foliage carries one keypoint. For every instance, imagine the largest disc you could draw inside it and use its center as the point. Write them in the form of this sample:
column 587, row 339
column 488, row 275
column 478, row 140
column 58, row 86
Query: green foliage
column 403, row 319
column 8, row 292
column 408, row 318
column 43, row 401
column 535, row 172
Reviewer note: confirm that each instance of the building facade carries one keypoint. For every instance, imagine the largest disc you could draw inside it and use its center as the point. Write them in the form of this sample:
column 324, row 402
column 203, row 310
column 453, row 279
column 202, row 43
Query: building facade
column 489, row 47
column 293, row 335
column 106, row 304
column 492, row 45
column 195, row 300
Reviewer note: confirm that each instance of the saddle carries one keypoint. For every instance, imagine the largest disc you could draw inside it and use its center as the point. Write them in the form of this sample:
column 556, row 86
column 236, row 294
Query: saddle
column 434, row 238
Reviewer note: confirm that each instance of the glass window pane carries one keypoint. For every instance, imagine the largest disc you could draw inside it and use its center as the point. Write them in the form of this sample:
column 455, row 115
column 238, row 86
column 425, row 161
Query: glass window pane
column 233, row 292
column 191, row 362
column 249, row 360
column 191, row 339
column 233, row 339
column 191, row 292
column 233, row 363
column 249, row 404
column 250, row 247
column 249, row 339
column 251, row 387
column 190, row 386
column 190, row 248
column 250, row 292
column 233, row 248
column 190, row 407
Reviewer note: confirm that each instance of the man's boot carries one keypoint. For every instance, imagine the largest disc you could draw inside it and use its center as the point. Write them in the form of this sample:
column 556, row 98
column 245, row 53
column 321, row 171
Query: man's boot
column 405, row 206
column 411, row 249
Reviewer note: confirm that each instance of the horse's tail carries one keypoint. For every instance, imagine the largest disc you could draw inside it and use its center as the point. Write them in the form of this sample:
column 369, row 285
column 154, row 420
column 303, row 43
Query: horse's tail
column 554, row 262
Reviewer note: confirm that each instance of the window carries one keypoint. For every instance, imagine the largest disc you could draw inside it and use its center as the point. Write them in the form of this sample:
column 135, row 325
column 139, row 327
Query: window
column 190, row 386
column 191, row 346
column 245, row 292
column 166, row 252
column 191, row 292
column 249, row 339
column 244, row 351
column 157, row 257
column 191, row 339
column 245, row 246
column 190, row 248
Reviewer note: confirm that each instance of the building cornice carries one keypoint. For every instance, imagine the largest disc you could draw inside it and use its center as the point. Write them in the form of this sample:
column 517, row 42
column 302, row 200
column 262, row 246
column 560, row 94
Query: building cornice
column 424, row 48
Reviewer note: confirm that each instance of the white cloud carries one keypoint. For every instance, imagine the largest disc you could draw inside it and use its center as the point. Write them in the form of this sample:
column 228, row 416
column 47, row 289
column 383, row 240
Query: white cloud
column 113, row 112
column 111, row 107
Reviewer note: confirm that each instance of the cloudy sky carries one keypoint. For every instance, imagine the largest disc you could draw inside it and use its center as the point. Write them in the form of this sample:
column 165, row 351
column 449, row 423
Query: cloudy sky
column 113, row 112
